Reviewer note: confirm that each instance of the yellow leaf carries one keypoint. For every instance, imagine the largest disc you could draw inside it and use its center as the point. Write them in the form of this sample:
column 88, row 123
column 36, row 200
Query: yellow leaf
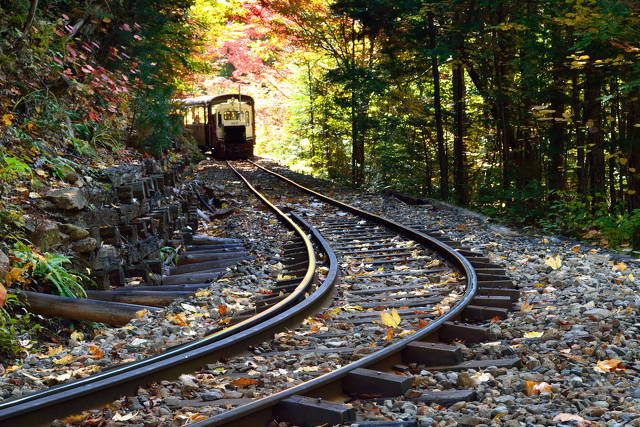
column 623, row 161
column 64, row 360
column 632, row 192
column 539, row 285
column 15, row 275
column 632, row 170
column 555, row 262
column 7, row 119
column 3, row 294
column 177, row 319
column 390, row 319
column 621, row 266
column 335, row 310
column 609, row 365
column 389, row 335
column 533, row 334
column 203, row 293
column 54, row 350
column 77, row 335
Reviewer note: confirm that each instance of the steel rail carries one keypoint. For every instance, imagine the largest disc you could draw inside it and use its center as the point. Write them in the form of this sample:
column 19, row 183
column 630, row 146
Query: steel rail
column 58, row 401
column 247, row 415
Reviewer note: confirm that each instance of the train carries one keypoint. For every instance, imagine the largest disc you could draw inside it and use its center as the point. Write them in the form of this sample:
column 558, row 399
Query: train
column 223, row 126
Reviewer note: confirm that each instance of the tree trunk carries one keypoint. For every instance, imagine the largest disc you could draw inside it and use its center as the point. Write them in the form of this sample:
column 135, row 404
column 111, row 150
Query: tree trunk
column 557, row 132
column 442, row 155
column 577, row 119
column 613, row 197
column 30, row 18
column 595, row 136
column 459, row 165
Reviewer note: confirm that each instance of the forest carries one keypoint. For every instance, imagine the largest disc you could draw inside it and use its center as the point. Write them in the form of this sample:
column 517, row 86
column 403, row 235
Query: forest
column 526, row 111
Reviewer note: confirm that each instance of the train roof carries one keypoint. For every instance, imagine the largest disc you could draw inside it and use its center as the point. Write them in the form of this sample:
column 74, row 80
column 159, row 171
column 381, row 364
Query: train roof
column 214, row 100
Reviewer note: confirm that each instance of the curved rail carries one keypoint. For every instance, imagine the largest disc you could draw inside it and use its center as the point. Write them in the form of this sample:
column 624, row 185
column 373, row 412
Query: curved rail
column 55, row 402
column 239, row 415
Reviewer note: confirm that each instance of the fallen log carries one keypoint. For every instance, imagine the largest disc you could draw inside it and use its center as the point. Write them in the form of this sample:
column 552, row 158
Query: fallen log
column 111, row 313
column 161, row 288
column 141, row 297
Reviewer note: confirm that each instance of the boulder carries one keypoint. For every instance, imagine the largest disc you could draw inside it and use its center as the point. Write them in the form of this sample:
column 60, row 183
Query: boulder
column 46, row 235
column 74, row 232
column 85, row 245
column 67, row 198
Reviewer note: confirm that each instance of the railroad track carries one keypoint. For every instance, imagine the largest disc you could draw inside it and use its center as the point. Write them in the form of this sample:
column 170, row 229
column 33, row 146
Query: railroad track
column 272, row 314
column 441, row 292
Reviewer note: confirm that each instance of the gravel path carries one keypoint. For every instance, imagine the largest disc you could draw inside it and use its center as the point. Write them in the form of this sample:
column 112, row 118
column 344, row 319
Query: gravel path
column 576, row 331
column 182, row 321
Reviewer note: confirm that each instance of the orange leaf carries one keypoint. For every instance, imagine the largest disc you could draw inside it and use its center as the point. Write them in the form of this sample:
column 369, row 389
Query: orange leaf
column 389, row 334
column 3, row 295
column 15, row 275
column 421, row 323
column 534, row 388
column 96, row 353
column 609, row 365
column 495, row 319
column 526, row 306
column 244, row 382
column 222, row 309
column 460, row 227
column 224, row 321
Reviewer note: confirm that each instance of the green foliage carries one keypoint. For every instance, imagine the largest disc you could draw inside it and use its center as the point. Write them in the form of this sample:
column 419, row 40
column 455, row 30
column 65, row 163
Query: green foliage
column 49, row 268
column 12, row 168
column 14, row 325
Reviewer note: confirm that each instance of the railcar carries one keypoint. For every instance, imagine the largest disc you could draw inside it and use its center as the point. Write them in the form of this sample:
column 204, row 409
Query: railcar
column 223, row 125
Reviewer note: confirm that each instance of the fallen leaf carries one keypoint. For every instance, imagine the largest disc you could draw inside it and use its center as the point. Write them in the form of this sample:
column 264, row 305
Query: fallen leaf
column 390, row 319
column 526, row 306
column 481, row 377
column 621, row 266
column 77, row 335
column 222, row 309
column 125, row 417
column 495, row 319
column 555, row 262
column 15, row 275
column 389, row 335
column 244, row 382
column 3, row 295
column 534, row 388
column 563, row 418
column 532, row 334
column 64, row 360
column 202, row 293
column 609, row 365
column 95, row 352
column 421, row 323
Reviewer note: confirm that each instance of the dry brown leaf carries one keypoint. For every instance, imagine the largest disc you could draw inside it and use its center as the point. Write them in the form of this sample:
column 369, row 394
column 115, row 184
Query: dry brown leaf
column 244, row 382
column 389, row 335
column 563, row 418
